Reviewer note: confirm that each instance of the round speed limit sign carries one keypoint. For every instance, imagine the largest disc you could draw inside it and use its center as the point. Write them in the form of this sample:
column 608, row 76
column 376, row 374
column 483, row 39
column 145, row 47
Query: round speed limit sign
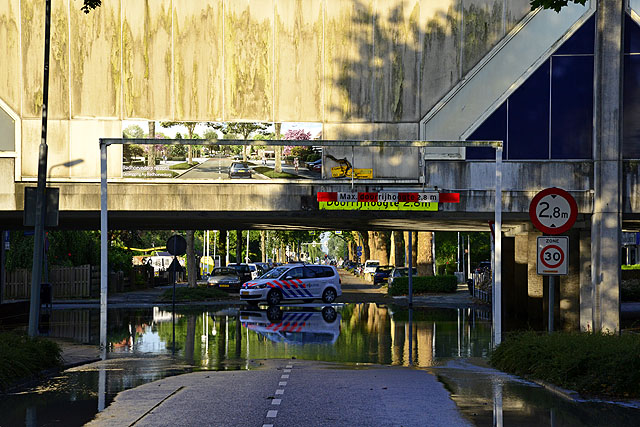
column 553, row 211
column 553, row 255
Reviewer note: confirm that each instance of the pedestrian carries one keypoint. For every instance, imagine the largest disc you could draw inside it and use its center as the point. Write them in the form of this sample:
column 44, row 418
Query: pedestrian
column 296, row 164
column 264, row 158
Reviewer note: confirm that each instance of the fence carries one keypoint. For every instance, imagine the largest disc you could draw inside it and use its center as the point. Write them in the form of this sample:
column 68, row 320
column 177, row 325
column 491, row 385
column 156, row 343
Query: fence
column 66, row 282
column 482, row 281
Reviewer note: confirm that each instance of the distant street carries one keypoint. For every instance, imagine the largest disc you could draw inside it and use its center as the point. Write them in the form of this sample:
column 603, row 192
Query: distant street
column 218, row 168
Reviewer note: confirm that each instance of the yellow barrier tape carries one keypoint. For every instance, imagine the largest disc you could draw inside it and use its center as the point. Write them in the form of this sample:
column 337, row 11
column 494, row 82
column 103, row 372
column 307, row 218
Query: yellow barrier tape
column 340, row 172
column 378, row 206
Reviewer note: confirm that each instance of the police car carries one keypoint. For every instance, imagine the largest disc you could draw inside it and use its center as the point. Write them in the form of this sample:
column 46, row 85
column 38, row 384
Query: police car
column 296, row 326
column 294, row 282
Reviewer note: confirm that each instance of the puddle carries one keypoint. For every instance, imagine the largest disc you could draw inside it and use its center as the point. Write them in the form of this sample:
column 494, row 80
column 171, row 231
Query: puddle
column 142, row 349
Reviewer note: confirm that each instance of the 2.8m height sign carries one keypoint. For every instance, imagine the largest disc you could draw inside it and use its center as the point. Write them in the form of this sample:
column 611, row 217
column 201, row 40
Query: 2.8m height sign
column 553, row 211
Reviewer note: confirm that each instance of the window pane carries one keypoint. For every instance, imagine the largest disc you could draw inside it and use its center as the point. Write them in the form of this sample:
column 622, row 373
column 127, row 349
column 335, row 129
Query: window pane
column 528, row 115
column 631, row 108
column 494, row 128
column 571, row 107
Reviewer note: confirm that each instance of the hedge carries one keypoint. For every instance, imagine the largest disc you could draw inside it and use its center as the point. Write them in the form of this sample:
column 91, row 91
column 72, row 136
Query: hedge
column 593, row 364
column 22, row 357
column 424, row 284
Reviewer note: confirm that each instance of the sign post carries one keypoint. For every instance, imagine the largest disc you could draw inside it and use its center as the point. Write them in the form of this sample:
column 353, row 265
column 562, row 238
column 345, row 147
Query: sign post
column 553, row 211
column 176, row 245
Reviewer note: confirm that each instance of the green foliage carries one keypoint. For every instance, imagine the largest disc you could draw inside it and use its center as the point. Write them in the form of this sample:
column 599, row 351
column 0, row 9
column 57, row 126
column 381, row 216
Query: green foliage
column 447, row 249
column 338, row 247
column 195, row 294
column 595, row 364
column 240, row 128
column 177, row 150
column 182, row 166
column 556, row 5
column 424, row 284
column 269, row 172
column 22, row 357
column 133, row 131
column 631, row 267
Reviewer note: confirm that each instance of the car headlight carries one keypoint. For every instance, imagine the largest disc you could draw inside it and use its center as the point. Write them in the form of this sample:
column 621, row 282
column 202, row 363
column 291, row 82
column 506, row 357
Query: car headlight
column 261, row 286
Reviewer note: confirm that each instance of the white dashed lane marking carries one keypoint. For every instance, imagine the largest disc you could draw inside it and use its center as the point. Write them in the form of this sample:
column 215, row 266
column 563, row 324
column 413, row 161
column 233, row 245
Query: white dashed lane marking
column 271, row 414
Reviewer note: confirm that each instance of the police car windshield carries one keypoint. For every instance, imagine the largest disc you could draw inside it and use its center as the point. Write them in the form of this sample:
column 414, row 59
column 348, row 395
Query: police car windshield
column 274, row 273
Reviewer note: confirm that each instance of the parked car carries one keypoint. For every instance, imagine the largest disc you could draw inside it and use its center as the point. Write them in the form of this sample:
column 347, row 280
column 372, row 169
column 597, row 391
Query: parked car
column 294, row 282
column 225, row 278
column 370, row 266
column 239, row 170
column 400, row 272
column 315, row 165
column 244, row 271
column 483, row 265
column 382, row 274
column 263, row 267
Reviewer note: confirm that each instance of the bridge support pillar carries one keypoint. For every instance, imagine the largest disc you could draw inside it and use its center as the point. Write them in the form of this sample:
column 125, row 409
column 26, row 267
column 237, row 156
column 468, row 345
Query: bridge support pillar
column 586, row 285
column 535, row 285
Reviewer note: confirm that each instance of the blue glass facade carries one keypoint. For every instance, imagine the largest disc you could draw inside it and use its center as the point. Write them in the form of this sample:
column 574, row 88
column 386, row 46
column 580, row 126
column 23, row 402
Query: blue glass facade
column 631, row 98
column 550, row 115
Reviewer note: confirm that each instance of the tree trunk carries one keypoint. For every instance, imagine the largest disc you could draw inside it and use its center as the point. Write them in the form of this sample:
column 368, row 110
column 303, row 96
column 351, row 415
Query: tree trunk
column 278, row 150
column 366, row 250
column 414, row 248
column 425, row 256
column 151, row 157
column 263, row 245
column 397, row 249
column 239, row 246
column 190, row 128
column 192, row 268
column 378, row 246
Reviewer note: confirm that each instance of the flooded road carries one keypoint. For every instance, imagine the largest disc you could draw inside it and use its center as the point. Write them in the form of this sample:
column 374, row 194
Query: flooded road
column 451, row 343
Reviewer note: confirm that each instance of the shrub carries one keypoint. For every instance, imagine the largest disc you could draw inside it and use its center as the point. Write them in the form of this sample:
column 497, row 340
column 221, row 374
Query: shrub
column 424, row 284
column 596, row 364
column 22, row 357
column 630, row 290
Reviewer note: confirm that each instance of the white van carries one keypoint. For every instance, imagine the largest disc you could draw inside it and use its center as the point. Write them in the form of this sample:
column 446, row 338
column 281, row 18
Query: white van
column 370, row 266
column 294, row 282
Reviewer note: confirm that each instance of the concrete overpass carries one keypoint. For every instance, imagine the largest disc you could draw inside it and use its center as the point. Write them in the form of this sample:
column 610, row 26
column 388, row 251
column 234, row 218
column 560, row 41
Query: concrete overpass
column 369, row 70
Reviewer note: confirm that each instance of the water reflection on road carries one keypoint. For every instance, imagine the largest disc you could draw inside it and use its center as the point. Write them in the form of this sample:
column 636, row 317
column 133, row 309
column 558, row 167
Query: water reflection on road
column 452, row 343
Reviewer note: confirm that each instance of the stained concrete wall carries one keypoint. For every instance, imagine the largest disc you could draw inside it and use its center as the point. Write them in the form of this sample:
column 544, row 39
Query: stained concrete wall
column 368, row 69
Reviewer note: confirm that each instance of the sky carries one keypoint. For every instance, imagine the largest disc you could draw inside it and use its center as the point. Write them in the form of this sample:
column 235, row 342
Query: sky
column 314, row 128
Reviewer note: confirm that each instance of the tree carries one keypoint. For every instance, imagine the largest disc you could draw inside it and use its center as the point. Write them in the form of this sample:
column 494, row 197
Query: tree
column 240, row 128
column 191, row 126
column 129, row 151
column 556, row 5
column 89, row 5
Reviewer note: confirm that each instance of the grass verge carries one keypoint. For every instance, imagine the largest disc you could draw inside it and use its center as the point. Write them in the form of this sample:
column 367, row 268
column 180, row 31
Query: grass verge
column 201, row 293
column 270, row 173
column 591, row 364
column 22, row 357
column 182, row 166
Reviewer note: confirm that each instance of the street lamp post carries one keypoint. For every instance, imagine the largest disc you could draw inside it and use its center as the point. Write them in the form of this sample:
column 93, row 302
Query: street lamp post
column 38, row 235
